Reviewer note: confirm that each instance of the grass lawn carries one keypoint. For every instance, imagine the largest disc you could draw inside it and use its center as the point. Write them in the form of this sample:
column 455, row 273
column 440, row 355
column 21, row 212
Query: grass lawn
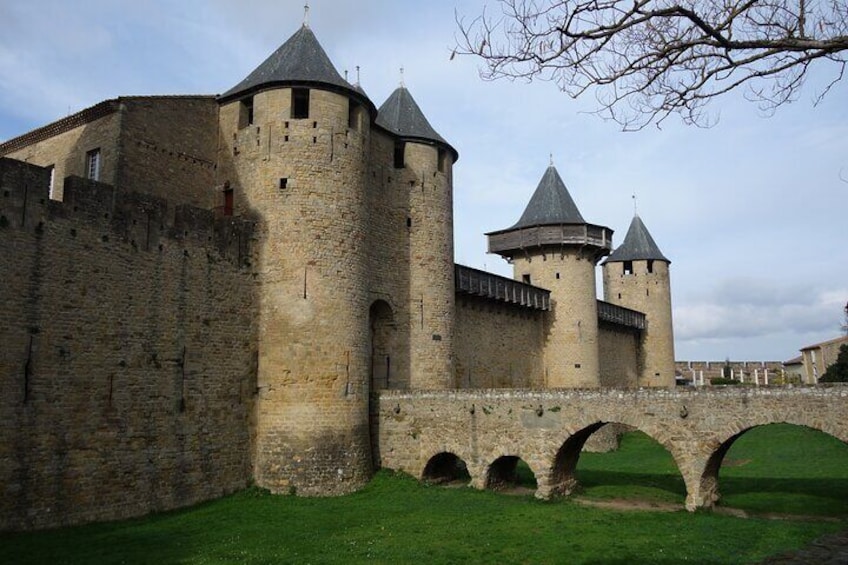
column 774, row 469
column 398, row 520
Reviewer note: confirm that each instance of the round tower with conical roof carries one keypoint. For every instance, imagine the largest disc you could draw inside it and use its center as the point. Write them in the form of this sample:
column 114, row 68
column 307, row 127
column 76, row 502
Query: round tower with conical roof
column 294, row 151
column 422, row 167
column 553, row 247
column 636, row 276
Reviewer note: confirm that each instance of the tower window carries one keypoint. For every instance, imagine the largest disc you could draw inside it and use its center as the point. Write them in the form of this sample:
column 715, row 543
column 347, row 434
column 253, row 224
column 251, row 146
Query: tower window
column 92, row 164
column 443, row 158
column 228, row 201
column 525, row 279
column 246, row 112
column 628, row 267
column 284, row 183
column 300, row 103
column 650, row 265
column 353, row 112
column 557, row 276
column 400, row 149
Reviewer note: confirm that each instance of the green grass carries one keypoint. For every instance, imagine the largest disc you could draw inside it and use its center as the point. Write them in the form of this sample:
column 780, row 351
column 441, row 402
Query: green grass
column 396, row 519
column 778, row 468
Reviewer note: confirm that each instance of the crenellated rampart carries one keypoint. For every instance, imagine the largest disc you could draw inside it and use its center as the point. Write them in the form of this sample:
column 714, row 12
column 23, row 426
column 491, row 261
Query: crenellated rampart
column 128, row 365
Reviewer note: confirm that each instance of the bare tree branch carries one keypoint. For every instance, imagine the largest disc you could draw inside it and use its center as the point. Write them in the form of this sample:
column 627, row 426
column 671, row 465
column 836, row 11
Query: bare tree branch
column 647, row 59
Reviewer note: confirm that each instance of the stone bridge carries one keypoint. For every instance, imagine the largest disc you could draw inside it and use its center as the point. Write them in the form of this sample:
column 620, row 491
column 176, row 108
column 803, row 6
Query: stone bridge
column 425, row 433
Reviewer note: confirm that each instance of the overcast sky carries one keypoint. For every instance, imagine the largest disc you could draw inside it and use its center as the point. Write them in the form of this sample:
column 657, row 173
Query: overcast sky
column 752, row 212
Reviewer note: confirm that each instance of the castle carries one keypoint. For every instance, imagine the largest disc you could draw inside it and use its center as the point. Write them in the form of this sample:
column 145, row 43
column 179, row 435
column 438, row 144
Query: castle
column 212, row 293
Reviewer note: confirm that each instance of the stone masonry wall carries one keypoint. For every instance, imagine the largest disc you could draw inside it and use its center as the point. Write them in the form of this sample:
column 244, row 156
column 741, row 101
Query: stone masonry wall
column 66, row 152
column 307, row 177
column 168, row 147
column 127, row 371
column 498, row 345
column 549, row 428
column 619, row 352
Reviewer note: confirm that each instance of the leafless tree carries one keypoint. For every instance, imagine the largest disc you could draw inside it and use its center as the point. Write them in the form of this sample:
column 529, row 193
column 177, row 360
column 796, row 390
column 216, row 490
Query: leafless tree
column 645, row 60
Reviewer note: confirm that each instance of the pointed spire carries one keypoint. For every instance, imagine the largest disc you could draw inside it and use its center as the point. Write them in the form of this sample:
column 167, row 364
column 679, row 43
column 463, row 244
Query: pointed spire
column 401, row 115
column 301, row 59
column 638, row 245
column 550, row 204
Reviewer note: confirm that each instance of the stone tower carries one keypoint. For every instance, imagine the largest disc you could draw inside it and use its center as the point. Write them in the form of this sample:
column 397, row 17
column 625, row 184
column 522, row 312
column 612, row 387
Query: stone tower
column 423, row 161
column 636, row 275
column 552, row 246
column 293, row 152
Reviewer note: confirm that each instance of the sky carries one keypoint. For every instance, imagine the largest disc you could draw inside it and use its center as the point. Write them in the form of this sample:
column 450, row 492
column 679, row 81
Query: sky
column 752, row 213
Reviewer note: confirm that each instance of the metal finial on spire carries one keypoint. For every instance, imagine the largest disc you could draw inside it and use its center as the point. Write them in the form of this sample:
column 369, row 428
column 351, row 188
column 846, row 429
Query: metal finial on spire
column 401, row 78
column 552, row 159
column 346, row 76
column 357, row 74
column 635, row 208
column 306, row 14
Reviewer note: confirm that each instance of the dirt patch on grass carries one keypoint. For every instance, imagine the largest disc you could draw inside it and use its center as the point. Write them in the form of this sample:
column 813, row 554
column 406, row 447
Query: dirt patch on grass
column 735, row 462
column 624, row 504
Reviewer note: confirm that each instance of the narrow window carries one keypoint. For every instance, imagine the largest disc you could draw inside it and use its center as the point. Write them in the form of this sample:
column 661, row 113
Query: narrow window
column 557, row 276
column 525, row 279
column 52, row 186
column 400, row 149
column 246, row 112
column 628, row 267
column 284, row 183
column 650, row 265
column 92, row 164
column 228, row 201
column 353, row 115
column 300, row 103
column 442, row 164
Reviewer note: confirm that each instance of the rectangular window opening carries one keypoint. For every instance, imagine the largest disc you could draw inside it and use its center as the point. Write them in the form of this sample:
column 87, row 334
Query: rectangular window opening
column 284, row 183
column 300, row 103
column 650, row 265
column 52, row 186
column 628, row 267
column 246, row 112
column 228, row 201
column 525, row 279
column 442, row 163
column 92, row 164
column 353, row 115
column 400, row 150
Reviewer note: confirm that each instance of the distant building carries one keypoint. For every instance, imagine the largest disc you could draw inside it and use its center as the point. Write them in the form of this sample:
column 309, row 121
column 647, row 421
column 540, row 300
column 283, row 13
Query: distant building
column 819, row 356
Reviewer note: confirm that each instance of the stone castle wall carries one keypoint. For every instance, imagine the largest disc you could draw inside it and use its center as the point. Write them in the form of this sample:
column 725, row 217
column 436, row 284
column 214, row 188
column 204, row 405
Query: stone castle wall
column 498, row 345
column 127, row 372
column 620, row 353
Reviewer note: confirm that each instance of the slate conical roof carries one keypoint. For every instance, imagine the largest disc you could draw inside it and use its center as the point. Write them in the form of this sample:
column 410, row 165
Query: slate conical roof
column 550, row 204
column 401, row 116
column 300, row 60
column 638, row 245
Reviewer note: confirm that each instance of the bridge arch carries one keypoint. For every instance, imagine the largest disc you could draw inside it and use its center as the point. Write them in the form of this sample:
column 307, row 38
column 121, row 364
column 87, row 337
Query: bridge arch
column 503, row 472
column 446, row 467
column 710, row 478
column 562, row 478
